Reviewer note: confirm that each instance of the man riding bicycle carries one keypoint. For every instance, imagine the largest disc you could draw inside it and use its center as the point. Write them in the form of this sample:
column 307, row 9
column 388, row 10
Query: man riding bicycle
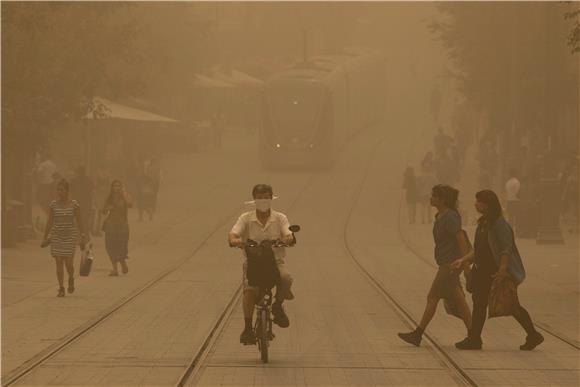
column 259, row 225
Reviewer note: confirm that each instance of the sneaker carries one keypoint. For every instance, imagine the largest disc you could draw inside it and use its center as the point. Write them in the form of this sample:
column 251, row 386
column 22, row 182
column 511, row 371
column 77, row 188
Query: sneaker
column 247, row 337
column 411, row 338
column 532, row 341
column 469, row 344
column 280, row 317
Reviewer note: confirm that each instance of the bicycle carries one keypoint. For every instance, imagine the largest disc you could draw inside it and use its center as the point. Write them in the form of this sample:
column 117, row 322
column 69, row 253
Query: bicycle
column 263, row 273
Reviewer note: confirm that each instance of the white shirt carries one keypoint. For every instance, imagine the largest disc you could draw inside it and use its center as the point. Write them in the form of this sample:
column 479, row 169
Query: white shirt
column 277, row 226
column 512, row 188
column 45, row 171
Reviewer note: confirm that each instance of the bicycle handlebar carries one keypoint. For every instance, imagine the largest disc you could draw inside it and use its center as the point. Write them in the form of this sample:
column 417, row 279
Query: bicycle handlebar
column 272, row 243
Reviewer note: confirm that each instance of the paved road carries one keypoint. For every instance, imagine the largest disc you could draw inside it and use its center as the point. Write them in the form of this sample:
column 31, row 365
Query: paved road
column 343, row 330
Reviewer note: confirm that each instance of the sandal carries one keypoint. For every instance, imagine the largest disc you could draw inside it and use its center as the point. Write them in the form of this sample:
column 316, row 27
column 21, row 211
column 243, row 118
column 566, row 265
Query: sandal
column 60, row 292
column 71, row 285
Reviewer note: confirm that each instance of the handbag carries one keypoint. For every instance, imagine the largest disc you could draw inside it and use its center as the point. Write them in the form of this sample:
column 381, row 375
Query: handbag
column 503, row 297
column 451, row 305
column 87, row 258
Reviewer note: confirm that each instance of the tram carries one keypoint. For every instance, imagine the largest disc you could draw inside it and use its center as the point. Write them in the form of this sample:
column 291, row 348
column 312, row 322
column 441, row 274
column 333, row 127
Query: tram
column 309, row 110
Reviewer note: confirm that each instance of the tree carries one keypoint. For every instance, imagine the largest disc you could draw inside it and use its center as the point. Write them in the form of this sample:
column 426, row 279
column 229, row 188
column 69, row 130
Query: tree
column 512, row 63
column 56, row 57
column 574, row 35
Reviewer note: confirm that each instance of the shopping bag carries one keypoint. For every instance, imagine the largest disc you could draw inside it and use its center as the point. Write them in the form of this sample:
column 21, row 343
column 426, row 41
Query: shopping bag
column 467, row 272
column 451, row 305
column 503, row 298
column 86, row 260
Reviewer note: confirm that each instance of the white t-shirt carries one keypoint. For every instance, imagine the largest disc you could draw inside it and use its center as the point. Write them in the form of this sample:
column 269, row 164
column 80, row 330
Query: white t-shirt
column 45, row 171
column 512, row 188
column 277, row 227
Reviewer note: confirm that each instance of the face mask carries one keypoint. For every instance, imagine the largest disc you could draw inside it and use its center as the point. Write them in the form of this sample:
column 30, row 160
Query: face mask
column 263, row 205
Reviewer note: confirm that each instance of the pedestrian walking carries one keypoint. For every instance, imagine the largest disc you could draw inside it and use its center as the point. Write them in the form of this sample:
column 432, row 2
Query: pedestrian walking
column 45, row 184
column 145, row 194
column 497, row 262
column 154, row 171
column 410, row 187
column 63, row 230
column 488, row 161
column 102, row 184
column 428, row 163
column 425, row 182
column 116, row 227
column 512, row 190
column 82, row 189
column 441, row 142
column 570, row 200
column 134, row 169
column 450, row 245
column 446, row 170
column 528, row 212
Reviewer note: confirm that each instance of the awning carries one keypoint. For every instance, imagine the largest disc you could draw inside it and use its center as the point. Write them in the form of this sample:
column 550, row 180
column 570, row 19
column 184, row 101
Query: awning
column 105, row 109
column 237, row 77
column 201, row 80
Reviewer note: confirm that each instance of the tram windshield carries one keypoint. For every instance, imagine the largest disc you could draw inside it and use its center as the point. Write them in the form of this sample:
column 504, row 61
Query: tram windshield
column 295, row 112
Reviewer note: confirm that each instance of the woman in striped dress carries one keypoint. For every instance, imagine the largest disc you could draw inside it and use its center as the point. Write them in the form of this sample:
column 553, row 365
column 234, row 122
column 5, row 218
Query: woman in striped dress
column 62, row 234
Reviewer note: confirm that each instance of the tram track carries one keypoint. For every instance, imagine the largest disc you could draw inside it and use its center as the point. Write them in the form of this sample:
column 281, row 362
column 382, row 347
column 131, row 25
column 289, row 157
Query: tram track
column 72, row 337
column 222, row 321
column 458, row 374
column 85, row 329
column 40, row 358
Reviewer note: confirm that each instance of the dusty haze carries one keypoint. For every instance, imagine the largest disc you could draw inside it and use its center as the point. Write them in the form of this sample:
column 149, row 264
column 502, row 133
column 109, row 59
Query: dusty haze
column 351, row 112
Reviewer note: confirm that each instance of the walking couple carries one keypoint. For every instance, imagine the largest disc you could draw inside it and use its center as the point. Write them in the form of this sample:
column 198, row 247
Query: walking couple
column 493, row 259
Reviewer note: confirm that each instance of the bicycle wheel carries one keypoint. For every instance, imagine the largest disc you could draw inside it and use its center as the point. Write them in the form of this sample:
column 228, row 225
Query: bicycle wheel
column 264, row 336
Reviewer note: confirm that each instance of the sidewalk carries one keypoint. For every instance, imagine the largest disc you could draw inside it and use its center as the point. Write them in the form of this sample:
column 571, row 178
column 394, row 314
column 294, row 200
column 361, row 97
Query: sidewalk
column 33, row 317
column 549, row 293
column 552, row 286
